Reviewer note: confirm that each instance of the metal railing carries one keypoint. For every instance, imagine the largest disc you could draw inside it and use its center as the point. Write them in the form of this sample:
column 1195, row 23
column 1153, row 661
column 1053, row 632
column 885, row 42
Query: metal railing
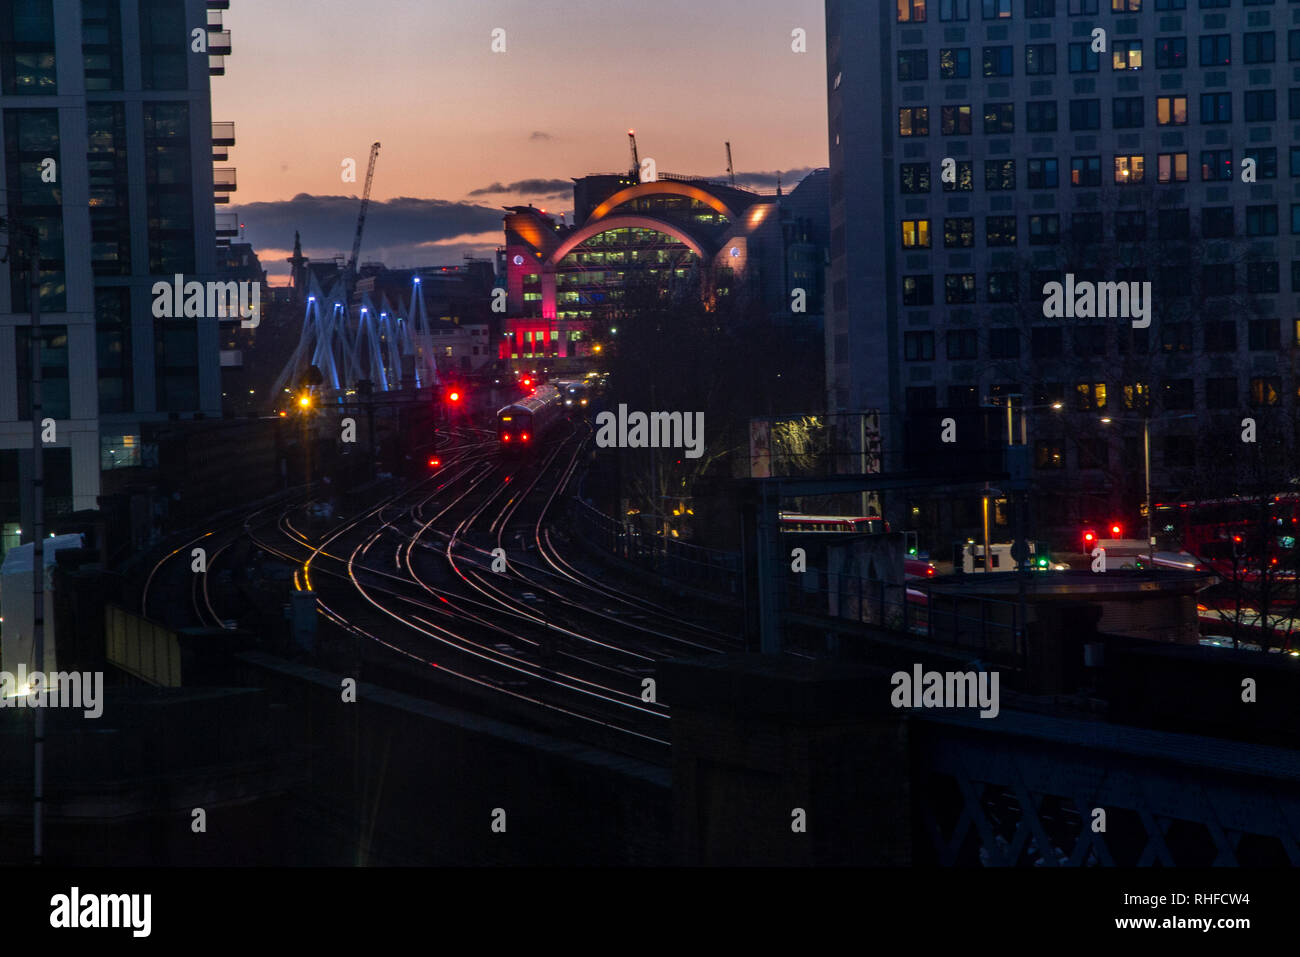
column 988, row 627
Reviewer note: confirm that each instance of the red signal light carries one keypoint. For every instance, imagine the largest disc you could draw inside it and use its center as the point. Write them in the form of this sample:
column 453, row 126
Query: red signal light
column 1115, row 531
column 505, row 437
column 523, row 436
column 1236, row 539
column 453, row 396
column 527, row 381
column 1089, row 537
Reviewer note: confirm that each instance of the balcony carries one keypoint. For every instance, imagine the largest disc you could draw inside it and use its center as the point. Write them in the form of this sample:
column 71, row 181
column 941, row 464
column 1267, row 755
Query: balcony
column 219, row 43
column 215, row 21
column 227, row 224
column 223, row 134
column 216, row 66
column 218, row 4
column 223, row 181
column 220, row 154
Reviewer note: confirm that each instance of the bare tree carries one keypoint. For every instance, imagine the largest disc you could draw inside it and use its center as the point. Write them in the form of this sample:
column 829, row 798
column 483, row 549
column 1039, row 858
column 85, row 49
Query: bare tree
column 706, row 345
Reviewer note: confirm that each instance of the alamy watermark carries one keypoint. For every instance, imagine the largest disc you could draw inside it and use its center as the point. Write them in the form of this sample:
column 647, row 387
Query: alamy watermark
column 946, row 689
column 653, row 430
column 59, row 689
column 179, row 299
column 78, row 910
column 1098, row 300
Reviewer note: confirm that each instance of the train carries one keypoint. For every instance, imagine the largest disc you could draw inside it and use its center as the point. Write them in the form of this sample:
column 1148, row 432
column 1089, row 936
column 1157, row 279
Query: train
column 522, row 424
column 854, row 524
column 575, row 393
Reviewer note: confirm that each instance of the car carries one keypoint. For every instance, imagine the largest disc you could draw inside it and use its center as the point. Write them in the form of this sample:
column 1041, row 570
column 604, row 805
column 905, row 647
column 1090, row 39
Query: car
column 917, row 568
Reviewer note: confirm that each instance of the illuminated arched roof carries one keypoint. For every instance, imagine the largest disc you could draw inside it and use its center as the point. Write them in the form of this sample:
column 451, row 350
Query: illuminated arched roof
column 659, row 188
column 624, row 221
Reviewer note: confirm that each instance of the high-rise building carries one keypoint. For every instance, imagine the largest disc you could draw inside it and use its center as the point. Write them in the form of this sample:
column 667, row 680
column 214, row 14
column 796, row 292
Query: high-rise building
column 982, row 149
column 108, row 148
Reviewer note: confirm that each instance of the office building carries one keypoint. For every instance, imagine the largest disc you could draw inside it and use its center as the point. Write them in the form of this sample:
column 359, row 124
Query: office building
column 981, row 149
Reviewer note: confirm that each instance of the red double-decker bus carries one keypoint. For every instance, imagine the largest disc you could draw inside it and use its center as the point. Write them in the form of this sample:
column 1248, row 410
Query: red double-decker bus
column 1239, row 537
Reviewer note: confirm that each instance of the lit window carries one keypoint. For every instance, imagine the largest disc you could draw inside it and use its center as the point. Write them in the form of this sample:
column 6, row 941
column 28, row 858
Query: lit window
column 916, row 234
column 1129, row 170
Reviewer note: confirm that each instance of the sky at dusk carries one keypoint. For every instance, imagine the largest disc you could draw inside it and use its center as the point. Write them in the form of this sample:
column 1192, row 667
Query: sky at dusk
column 465, row 131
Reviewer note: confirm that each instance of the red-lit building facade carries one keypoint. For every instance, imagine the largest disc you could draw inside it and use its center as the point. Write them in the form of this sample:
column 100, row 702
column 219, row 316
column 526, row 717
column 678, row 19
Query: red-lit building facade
column 561, row 280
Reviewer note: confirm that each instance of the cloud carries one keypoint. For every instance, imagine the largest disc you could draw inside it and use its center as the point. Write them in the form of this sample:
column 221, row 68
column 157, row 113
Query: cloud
column 491, row 238
column 527, row 187
column 767, row 180
column 404, row 231
column 539, row 135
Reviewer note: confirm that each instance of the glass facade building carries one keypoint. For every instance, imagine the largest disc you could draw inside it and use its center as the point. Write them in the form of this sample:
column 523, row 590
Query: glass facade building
column 105, row 121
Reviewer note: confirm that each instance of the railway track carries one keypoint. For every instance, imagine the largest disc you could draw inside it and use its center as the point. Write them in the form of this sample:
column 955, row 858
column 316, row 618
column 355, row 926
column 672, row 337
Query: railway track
column 419, row 574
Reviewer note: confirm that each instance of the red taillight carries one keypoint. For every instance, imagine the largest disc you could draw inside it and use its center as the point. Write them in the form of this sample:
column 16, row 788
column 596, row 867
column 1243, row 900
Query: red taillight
column 434, row 463
column 929, row 571
column 523, row 436
column 505, row 437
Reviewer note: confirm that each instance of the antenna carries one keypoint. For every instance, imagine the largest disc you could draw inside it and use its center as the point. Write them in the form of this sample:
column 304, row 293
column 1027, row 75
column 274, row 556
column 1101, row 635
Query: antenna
column 636, row 160
column 731, row 172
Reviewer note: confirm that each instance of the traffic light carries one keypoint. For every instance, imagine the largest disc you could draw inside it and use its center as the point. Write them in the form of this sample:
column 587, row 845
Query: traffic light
column 1238, row 547
column 1089, row 540
column 454, row 397
column 1116, row 531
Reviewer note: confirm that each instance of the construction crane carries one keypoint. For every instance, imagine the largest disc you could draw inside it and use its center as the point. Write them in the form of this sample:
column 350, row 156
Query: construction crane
column 731, row 172
column 361, row 217
column 636, row 161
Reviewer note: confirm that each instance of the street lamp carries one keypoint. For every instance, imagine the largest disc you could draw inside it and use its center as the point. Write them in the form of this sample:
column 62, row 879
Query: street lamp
column 1146, row 471
column 1008, row 401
